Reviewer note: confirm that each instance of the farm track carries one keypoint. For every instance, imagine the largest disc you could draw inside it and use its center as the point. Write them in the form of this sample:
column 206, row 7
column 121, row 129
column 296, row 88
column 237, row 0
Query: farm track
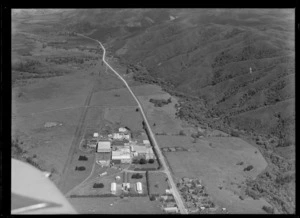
column 75, row 142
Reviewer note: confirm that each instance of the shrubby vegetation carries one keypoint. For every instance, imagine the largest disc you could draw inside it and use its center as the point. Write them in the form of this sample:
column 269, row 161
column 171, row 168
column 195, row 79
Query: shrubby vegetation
column 160, row 102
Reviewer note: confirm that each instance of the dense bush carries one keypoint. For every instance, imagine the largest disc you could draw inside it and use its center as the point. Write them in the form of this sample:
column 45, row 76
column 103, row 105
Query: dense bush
column 143, row 161
column 181, row 132
column 234, row 133
column 98, row 185
column 82, row 158
column 151, row 161
column 268, row 209
column 80, row 168
column 137, row 176
column 160, row 102
column 248, row 168
column 152, row 198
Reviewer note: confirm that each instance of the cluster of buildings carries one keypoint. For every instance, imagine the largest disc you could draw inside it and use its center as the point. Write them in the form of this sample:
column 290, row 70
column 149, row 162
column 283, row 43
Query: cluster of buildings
column 195, row 197
column 119, row 147
column 169, row 204
column 125, row 187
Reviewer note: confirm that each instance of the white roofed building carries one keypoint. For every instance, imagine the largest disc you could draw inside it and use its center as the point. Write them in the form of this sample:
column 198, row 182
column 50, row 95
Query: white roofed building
column 122, row 154
column 120, row 136
column 146, row 142
column 104, row 146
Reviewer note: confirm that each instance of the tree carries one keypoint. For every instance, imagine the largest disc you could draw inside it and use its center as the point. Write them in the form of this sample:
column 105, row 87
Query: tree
column 98, row 185
column 152, row 198
column 248, row 168
column 268, row 209
column 137, row 110
column 151, row 161
column 181, row 132
column 80, row 168
column 143, row 161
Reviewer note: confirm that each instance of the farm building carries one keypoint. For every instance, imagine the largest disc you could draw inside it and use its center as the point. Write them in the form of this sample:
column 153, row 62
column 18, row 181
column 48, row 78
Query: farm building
column 146, row 142
column 123, row 129
column 122, row 154
column 126, row 186
column 92, row 143
column 120, row 136
column 139, row 187
column 113, row 188
column 171, row 209
column 142, row 150
column 104, row 146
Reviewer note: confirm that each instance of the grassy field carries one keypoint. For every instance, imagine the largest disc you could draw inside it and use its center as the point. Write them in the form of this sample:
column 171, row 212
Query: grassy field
column 215, row 160
column 50, row 145
column 116, row 97
column 125, row 116
column 158, row 183
column 115, row 205
column 162, row 119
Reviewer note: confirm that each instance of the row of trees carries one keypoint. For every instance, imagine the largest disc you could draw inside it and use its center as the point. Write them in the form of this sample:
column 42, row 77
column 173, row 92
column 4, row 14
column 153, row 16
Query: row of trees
column 142, row 161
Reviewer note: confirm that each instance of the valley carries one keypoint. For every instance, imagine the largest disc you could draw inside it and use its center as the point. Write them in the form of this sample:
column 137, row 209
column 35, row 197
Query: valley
column 217, row 88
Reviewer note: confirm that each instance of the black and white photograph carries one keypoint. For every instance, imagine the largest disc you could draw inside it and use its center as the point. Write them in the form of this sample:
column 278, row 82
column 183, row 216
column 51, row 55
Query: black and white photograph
column 153, row 111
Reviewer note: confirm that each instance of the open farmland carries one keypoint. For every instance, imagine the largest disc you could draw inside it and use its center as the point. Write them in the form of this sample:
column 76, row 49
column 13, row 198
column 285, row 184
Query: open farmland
column 116, row 97
column 217, row 161
column 125, row 116
column 162, row 119
column 115, row 205
column 158, row 183
column 50, row 145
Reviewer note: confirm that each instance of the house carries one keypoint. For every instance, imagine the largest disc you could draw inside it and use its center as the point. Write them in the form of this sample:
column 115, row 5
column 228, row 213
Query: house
column 142, row 150
column 96, row 135
column 104, row 146
column 171, row 209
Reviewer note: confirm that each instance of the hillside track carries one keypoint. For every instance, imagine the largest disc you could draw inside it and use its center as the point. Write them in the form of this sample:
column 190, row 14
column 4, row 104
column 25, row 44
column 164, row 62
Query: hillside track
column 166, row 170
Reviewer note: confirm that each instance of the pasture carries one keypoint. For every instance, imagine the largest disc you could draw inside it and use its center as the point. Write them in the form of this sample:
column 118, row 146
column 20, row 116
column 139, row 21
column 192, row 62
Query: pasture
column 115, row 205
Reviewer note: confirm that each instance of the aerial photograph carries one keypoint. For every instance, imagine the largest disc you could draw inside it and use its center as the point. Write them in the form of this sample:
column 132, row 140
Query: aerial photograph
column 153, row 111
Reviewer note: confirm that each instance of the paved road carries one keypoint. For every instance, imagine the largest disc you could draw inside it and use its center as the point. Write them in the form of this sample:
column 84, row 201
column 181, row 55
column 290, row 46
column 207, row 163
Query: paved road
column 159, row 153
